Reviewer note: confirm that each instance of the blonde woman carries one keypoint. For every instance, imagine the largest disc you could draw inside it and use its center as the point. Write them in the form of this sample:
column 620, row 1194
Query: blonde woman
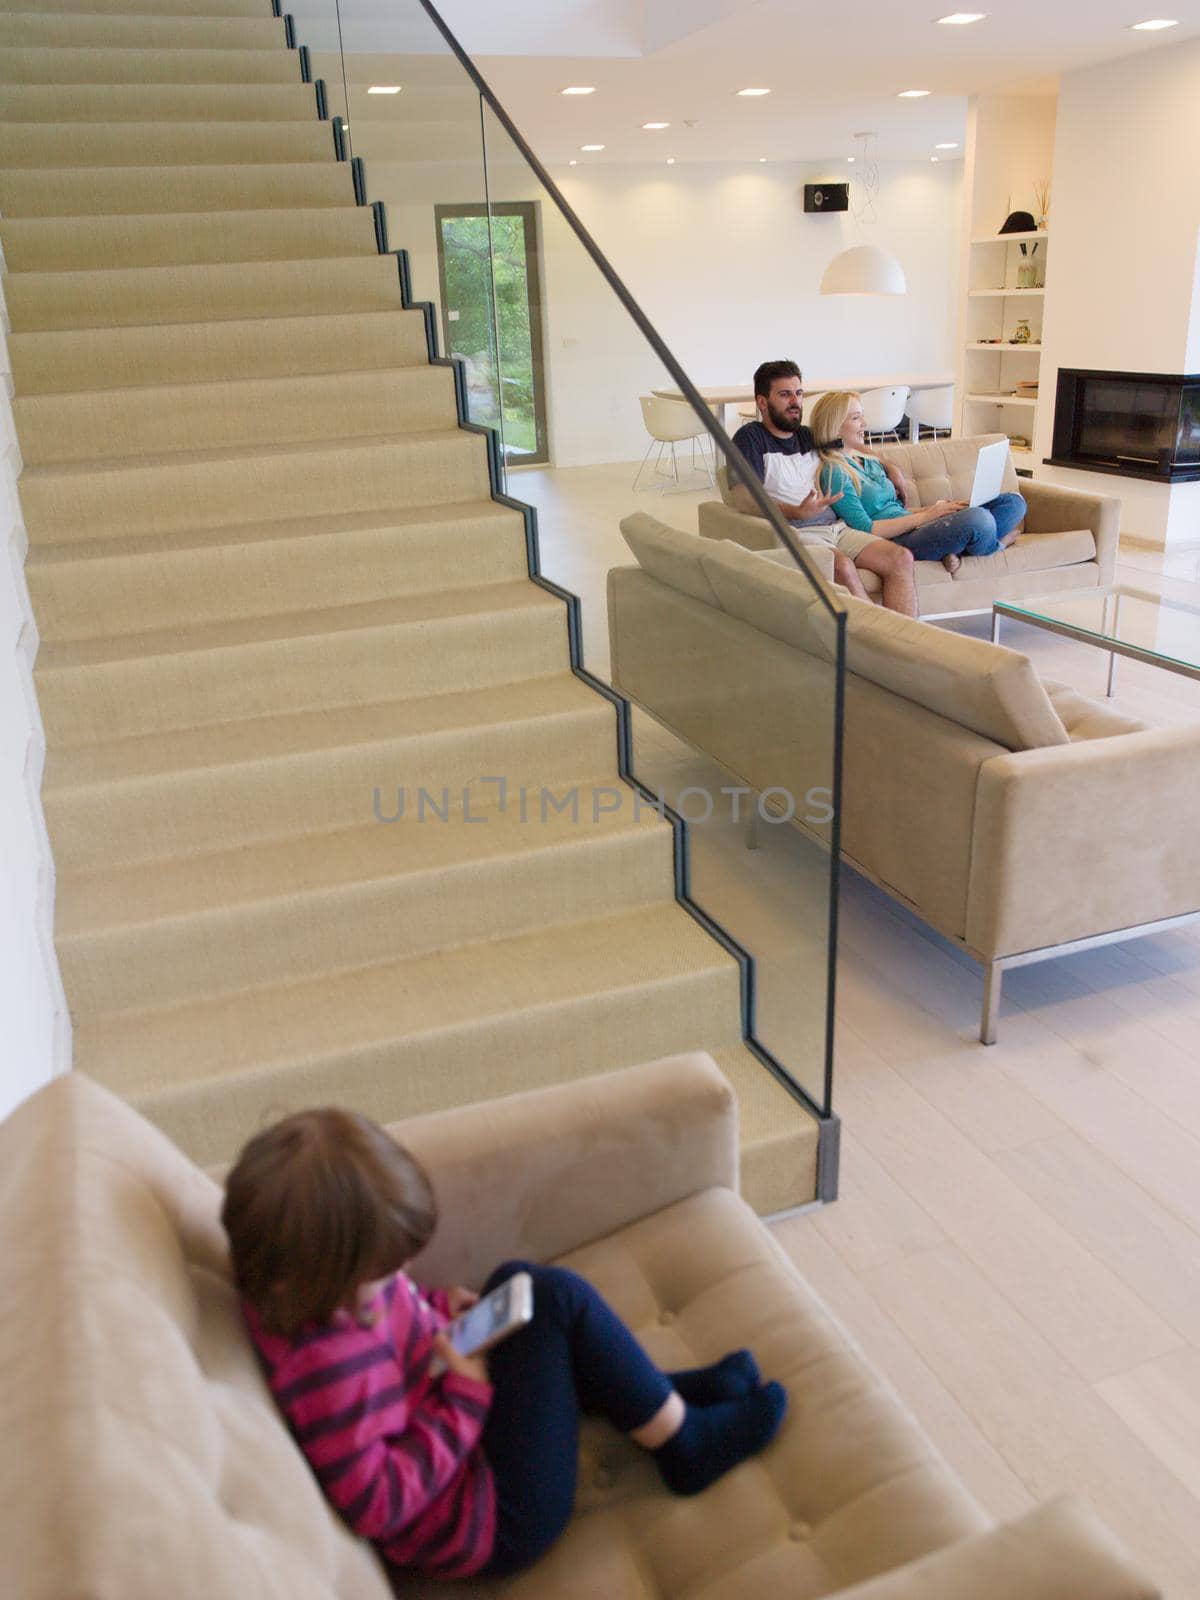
column 945, row 531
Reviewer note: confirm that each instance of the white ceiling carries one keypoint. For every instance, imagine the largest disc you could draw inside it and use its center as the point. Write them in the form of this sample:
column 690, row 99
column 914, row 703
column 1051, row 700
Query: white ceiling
column 832, row 69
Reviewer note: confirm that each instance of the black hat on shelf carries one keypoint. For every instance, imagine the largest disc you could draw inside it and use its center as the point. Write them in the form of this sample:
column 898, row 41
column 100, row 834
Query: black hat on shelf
column 1019, row 222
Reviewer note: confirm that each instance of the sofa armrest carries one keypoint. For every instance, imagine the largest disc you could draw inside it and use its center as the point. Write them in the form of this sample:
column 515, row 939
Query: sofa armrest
column 1053, row 509
column 717, row 521
column 755, row 533
column 1083, row 838
column 1060, row 1551
column 540, row 1173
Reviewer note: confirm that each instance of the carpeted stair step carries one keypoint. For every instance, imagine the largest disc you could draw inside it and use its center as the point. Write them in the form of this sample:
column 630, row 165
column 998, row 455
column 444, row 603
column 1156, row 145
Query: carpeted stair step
column 220, row 788
column 38, row 29
column 129, row 296
column 777, row 1135
column 73, row 244
column 212, row 352
column 155, row 494
column 175, row 931
column 107, row 425
column 120, row 585
column 163, row 144
column 459, row 1025
column 214, row 673
column 103, row 425
column 46, row 64
column 125, row 190
column 158, row 102
column 212, row 8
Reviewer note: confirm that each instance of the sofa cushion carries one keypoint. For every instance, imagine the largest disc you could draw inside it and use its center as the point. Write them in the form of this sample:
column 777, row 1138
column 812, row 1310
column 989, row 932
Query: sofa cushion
column 773, row 596
column 142, row 1452
column 850, row 1488
column 666, row 553
column 982, row 686
column 944, row 469
column 1033, row 552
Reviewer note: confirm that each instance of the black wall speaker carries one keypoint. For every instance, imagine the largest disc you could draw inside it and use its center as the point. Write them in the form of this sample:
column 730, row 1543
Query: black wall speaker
column 826, row 197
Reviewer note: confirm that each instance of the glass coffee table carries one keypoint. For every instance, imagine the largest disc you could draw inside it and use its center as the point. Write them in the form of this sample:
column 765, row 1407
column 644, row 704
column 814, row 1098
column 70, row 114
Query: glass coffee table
column 1122, row 620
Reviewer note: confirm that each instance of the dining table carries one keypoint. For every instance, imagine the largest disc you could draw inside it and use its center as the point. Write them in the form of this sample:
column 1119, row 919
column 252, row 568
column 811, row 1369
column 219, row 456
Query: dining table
column 720, row 397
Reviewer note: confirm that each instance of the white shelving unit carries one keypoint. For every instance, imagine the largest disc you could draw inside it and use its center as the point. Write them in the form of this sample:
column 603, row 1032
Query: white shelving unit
column 994, row 363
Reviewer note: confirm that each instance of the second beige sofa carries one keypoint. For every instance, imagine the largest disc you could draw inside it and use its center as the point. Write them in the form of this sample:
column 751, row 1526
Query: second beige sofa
column 1070, row 540
column 1011, row 814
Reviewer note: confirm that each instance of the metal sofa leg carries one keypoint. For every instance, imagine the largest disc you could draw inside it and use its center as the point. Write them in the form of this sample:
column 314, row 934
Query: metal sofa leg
column 993, row 978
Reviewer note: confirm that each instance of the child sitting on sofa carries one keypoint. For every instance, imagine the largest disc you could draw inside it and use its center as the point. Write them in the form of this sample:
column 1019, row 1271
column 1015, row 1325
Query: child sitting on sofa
column 945, row 531
column 451, row 1464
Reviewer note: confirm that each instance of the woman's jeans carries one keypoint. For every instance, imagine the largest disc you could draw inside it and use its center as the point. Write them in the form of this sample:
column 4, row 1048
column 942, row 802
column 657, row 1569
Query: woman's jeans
column 977, row 531
column 575, row 1356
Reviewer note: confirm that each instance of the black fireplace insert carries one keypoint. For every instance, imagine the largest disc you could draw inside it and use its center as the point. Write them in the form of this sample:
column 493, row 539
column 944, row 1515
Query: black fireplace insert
column 1137, row 424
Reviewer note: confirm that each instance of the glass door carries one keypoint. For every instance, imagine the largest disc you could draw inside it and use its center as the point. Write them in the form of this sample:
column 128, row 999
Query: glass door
column 467, row 260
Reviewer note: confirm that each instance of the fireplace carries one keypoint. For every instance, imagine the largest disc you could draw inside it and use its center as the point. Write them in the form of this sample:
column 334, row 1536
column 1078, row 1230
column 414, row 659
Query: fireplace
column 1137, row 424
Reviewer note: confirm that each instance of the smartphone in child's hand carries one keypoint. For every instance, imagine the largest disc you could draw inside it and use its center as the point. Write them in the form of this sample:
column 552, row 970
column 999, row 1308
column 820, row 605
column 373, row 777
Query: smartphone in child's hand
column 507, row 1308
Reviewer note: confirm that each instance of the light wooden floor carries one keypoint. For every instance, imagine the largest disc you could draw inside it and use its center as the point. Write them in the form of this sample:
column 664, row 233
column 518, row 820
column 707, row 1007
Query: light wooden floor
column 1017, row 1242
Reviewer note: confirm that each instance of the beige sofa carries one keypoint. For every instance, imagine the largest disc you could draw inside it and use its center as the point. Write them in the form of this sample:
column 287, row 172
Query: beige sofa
column 143, row 1457
column 1015, row 816
column 1070, row 540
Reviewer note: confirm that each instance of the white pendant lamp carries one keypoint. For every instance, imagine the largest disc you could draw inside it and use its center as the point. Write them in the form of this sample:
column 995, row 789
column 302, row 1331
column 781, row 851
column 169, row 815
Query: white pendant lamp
column 864, row 269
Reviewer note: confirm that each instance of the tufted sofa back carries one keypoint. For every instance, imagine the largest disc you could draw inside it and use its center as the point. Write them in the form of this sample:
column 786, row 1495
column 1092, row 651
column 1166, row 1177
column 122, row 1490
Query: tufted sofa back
column 941, row 469
column 128, row 1382
column 944, row 469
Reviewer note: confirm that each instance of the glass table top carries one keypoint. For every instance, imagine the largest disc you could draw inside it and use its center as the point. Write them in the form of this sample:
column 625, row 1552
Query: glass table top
column 1135, row 621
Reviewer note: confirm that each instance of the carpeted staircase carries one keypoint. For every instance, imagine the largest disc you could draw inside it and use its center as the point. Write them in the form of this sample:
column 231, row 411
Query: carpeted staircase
column 272, row 590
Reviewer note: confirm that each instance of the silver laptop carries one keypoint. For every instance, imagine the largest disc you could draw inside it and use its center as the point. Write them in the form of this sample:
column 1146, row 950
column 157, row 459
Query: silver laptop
column 989, row 472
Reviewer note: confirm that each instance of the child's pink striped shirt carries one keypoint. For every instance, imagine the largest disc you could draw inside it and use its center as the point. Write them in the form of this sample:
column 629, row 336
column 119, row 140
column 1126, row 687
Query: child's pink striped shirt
column 396, row 1450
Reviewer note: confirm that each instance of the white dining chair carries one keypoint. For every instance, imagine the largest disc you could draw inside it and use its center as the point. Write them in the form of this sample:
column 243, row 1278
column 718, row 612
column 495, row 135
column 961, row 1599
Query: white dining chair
column 883, row 411
column 933, row 409
column 672, row 422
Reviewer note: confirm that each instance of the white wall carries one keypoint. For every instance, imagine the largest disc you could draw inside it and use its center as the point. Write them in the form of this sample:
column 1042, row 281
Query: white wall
column 725, row 263
column 36, row 1028
column 1124, row 217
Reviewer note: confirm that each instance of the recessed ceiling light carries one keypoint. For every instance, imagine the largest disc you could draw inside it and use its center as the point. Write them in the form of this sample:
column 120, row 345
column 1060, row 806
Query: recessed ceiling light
column 750, row 93
column 849, row 158
column 670, row 161
column 951, row 146
column 1154, row 24
column 591, row 147
column 762, row 158
column 384, row 88
column 935, row 158
column 572, row 162
column 579, row 88
column 651, row 126
column 958, row 19
column 913, row 94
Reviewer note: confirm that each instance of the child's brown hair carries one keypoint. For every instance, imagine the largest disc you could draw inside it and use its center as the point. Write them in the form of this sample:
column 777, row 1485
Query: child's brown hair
column 317, row 1205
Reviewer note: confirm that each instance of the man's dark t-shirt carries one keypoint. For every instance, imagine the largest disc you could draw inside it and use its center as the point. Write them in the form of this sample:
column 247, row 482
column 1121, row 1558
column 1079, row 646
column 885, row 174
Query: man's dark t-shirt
column 758, row 444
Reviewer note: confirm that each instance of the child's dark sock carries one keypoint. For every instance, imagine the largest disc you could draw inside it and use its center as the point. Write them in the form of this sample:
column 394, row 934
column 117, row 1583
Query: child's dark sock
column 728, row 1379
column 715, row 1438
